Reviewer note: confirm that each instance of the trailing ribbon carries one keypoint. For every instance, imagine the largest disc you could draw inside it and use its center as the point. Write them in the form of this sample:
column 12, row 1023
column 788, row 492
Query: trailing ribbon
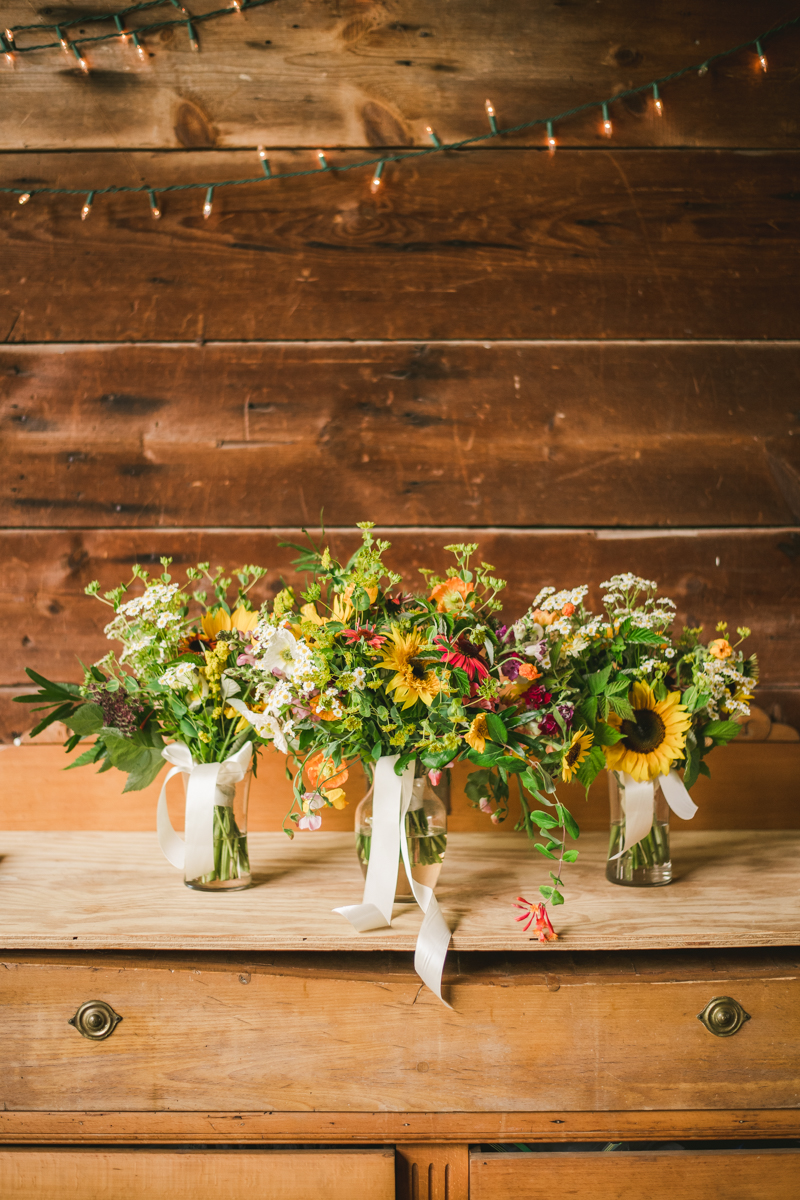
column 640, row 805
column 390, row 804
column 209, row 786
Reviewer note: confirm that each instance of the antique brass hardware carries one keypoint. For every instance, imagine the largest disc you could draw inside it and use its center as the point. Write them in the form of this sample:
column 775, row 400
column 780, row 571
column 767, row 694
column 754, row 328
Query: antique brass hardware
column 95, row 1020
column 723, row 1016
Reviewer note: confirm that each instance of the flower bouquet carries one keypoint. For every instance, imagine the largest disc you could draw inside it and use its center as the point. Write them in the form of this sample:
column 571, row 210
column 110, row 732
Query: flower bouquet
column 642, row 702
column 175, row 692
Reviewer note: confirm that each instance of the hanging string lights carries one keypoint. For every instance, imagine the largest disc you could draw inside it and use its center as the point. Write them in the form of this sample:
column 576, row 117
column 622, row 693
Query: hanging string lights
column 8, row 46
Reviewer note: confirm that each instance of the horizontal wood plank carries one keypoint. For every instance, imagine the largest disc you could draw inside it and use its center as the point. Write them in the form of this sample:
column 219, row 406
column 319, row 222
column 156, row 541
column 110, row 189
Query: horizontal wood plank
column 664, row 1175
column 176, row 1128
column 116, row 891
column 481, row 244
column 442, row 434
column 84, row 800
column 743, row 576
column 213, row 1174
column 213, row 1037
column 267, row 76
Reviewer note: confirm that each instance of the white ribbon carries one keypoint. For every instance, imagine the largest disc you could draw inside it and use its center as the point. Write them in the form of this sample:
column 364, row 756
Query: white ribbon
column 639, row 804
column 391, row 801
column 209, row 785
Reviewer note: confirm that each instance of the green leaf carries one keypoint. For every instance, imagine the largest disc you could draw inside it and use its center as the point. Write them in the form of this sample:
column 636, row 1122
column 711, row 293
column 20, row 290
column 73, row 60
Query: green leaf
column 646, row 637
column 568, row 821
column 86, row 720
column 554, row 844
column 497, row 730
column 591, row 766
column 620, row 684
column 360, row 599
column 571, row 856
column 557, row 898
column 622, row 707
column 187, row 729
column 89, row 756
column 546, row 891
column 587, row 711
column 57, row 714
column 606, row 735
column 145, row 771
column 545, row 820
column 660, row 690
column 599, row 679
column 543, row 850
column 720, row 731
column 703, row 769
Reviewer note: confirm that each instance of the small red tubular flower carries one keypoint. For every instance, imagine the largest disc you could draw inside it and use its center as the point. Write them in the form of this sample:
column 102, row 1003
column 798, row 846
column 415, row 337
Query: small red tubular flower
column 462, row 654
column 536, row 915
column 367, row 632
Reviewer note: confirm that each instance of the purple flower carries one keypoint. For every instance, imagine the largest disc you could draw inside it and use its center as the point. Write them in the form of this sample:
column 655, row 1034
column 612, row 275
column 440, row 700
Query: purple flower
column 119, row 712
column 548, row 725
column 567, row 713
column 501, row 632
column 511, row 667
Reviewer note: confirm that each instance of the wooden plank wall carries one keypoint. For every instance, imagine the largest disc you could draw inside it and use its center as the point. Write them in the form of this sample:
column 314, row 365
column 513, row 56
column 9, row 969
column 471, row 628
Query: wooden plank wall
column 587, row 362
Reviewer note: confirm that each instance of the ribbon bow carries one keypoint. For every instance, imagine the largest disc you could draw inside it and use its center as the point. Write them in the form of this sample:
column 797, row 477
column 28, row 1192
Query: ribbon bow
column 390, row 804
column 209, row 786
column 640, row 802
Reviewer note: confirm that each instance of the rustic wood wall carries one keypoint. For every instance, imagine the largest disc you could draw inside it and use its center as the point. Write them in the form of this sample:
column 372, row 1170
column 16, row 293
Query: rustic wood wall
column 586, row 362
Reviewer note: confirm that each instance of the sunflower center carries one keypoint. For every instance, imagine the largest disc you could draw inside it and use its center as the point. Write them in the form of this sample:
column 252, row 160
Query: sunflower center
column 416, row 669
column 645, row 733
column 573, row 754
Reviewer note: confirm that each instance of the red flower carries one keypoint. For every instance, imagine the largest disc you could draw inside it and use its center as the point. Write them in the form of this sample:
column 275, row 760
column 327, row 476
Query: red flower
column 536, row 915
column 462, row 654
column 367, row 632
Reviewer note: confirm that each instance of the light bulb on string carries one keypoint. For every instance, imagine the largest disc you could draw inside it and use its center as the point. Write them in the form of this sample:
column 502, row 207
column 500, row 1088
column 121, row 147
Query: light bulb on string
column 121, row 30
column 24, row 198
column 208, row 203
column 237, row 6
column 659, row 107
column 376, row 182
column 193, row 42
column 63, row 40
column 82, row 63
column 491, row 115
column 323, row 162
column 140, row 50
column 262, row 154
column 432, row 135
column 87, row 206
column 607, row 130
column 762, row 58
column 155, row 211
column 177, row 4
column 551, row 138
column 7, row 50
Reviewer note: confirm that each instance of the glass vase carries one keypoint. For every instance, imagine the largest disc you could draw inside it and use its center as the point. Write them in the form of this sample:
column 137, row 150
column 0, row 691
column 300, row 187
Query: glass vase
column 231, row 860
column 426, row 831
column 647, row 864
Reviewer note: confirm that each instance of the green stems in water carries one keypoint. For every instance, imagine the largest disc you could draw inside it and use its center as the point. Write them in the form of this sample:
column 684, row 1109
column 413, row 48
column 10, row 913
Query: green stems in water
column 231, row 860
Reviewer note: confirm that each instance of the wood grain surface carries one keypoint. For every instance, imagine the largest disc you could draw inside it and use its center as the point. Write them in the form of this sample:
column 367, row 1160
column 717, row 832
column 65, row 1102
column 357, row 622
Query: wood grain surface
column 187, row 1128
column 745, row 576
column 477, row 244
column 116, row 891
column 665, row 1175
column 268, row 76
column 751, row 784
column 212, row 1174
column 559, row 434
column 245, row 1033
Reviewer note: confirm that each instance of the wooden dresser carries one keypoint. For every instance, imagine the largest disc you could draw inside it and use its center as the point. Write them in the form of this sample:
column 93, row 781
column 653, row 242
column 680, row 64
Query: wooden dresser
column 266, row 1049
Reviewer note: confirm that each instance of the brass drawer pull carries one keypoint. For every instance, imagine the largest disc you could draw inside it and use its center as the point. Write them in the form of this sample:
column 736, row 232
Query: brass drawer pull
column 723, row 1016
column 95, row 1020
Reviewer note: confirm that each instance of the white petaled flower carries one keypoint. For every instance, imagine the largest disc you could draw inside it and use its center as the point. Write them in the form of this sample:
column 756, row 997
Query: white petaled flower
column 278, row 697
column 181, row 677
column 165, row 618
column 546, row 591
column 669, row 652
column 557, row 600
column 283, row 652
column 359, row 677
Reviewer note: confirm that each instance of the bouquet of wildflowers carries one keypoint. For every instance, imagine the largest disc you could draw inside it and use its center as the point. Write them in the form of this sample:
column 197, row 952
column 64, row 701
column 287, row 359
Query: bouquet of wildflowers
column 636, row 697
column 180, row 676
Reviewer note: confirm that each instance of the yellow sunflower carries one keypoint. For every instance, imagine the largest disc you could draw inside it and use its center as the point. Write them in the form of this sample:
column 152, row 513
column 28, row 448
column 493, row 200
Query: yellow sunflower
column 575, row 753
column 653, row 739
column 411, row 682
column 241, row 618
column 477, row 733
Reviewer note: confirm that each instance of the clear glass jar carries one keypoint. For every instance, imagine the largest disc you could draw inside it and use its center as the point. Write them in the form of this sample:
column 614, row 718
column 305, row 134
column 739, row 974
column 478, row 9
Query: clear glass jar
column 647, row 864
column 426, row 830
column 231, row 860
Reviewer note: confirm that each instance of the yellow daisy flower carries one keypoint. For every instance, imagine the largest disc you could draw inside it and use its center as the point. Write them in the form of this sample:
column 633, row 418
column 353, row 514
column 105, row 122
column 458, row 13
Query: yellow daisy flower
column 477, row 733
column 653, row 740
column 241, row 618
column 411, row 682
column 575, row 753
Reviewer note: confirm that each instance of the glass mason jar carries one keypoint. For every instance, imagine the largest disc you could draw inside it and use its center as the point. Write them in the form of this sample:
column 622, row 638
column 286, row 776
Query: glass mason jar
column 426, row 831
column 231, row 860
column 647, row 864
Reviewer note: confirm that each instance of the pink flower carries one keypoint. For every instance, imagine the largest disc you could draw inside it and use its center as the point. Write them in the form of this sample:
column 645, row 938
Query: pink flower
column 484, row 804
column 311, row 822
column 496, row 818
column 435, row 778
column 536, row 915
column 246, row 659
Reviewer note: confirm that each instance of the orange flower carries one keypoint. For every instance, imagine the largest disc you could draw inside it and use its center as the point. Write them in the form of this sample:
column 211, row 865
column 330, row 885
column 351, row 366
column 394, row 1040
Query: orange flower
column 317, row 706
column 568, row 610
column 543, row 618
column 452, row 594
column 721, row 648
column 528, row 671
column 323, row 774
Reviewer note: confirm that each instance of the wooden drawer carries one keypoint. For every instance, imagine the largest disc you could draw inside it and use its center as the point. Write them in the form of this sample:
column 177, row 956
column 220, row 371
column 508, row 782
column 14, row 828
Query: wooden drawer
column 293, row 1033
column 659, row 1175
column 113, row 1174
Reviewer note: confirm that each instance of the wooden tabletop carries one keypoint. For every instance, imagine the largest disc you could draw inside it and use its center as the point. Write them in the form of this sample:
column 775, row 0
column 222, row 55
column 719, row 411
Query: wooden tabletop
column 116, row 891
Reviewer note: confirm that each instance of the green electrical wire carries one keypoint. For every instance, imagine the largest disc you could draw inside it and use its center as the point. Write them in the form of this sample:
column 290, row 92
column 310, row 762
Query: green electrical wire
column 422, row 152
